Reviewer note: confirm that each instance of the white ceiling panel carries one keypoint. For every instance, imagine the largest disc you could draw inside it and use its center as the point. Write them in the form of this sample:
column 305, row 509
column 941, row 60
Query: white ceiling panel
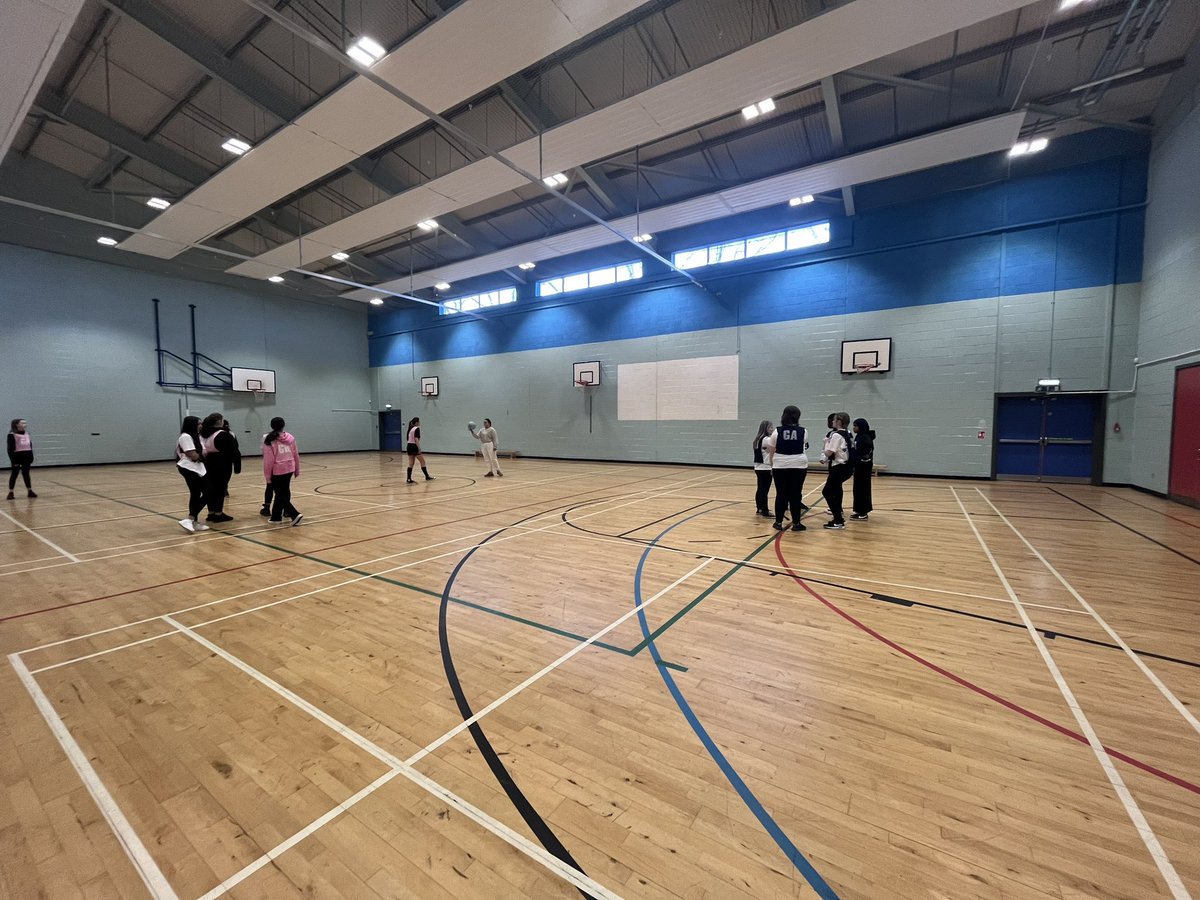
column 31, row 34
column 954, row 144
column 437, row 67
column 848, row 36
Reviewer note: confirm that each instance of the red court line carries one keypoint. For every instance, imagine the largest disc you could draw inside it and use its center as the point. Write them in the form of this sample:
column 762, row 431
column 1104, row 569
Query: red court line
column 971, row 686
column 299, row 554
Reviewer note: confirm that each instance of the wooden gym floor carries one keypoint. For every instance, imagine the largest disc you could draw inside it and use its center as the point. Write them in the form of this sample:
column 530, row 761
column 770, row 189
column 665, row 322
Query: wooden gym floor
column 449, row 689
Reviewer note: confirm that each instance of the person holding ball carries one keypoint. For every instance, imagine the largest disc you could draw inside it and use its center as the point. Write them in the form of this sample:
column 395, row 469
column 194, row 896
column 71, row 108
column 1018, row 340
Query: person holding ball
column 487, row 438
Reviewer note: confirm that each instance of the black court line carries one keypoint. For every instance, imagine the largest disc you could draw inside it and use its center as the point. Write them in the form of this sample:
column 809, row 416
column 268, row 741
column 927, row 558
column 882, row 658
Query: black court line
column 1152, row 509
column 541, row 830
column 664, row 518
column 1140, row 534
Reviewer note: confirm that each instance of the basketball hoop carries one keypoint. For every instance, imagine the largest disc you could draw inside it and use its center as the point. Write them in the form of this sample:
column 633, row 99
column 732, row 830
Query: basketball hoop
column 860, row 370
column 584, row 384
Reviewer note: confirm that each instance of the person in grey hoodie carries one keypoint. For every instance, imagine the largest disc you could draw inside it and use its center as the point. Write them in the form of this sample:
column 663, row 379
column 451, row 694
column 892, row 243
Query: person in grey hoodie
column 487, row 439
column 281, row 463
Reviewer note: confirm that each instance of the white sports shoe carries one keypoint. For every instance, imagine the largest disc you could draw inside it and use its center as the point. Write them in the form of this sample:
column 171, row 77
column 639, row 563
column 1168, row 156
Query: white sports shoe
column 187, row 525
column 200, row 526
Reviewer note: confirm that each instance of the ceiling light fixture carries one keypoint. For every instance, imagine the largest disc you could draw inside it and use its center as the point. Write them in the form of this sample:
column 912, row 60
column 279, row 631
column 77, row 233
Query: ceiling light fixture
column 158, row 203
column 236, row 146
column 1024, row 148
column 428, row 225
column 1099, row 81
column 527, row 266
column 1070, row 4
column 107, row 241
column 376, row 301
column 642, row 238
column 556, row 180
column 341, row 257
column 801, row 200
column 442, row 286
column 365, row 52
column 275, row 279
column 761, row 108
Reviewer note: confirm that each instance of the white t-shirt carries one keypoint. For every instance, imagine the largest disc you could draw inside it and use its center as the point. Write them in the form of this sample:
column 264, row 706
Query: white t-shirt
column 486, row 435
column 782, row 460
column 841, row 450
column 184, row 444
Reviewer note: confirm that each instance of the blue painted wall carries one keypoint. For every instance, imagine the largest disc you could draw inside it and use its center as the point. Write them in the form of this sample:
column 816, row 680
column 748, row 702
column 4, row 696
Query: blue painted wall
column 1021, row 228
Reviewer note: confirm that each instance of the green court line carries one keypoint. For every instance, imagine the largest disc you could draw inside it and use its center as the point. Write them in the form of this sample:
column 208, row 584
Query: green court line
column 541, row 626
column 684, row 610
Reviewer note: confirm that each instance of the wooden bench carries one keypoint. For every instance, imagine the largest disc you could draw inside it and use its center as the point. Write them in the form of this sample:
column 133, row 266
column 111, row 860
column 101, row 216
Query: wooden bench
column 876, row 469
column 510, row 454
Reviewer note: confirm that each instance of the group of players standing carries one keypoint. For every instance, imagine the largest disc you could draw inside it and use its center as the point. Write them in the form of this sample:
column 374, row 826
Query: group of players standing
column 781, row 455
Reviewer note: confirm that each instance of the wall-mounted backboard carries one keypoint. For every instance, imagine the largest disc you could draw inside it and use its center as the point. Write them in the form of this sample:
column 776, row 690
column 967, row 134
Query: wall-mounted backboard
column 872, row 356
column 586, row 373
column 429, row 385
column 253, row 380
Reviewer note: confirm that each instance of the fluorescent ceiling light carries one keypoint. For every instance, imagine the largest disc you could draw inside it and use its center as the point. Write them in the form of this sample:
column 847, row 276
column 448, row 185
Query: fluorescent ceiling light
column 365, row 51
column 376, row 301
column 158, row 203
column 554, row 180
column 107, row 241
column 442, row 286
column 275, row 279
column 527, row 266
column 236, row 146
column 762, row 107
column 341, row 257
column 1070, row 4
column 800, row 201
column 642, row 238
column 1024, row 148
column 428, row 225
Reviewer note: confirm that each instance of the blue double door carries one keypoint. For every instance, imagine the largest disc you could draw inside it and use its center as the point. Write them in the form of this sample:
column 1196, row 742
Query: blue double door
column 1048, row 437
column 391, row 430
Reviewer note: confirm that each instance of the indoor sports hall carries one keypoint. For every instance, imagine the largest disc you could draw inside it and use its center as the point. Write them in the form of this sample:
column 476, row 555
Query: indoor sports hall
column 545, row 449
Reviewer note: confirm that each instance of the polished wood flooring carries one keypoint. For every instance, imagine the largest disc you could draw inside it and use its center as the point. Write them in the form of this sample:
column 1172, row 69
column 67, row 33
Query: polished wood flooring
column 449, row 689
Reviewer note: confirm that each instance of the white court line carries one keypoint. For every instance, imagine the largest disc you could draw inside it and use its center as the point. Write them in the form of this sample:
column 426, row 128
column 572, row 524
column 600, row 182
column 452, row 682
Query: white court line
column 1149, row 838
column 171, row 543
column 496, row 827
column 434, row 745
column 1137, row 660
column 359, row 578
column 142, row 861
column 277, row 851
column 49, row 543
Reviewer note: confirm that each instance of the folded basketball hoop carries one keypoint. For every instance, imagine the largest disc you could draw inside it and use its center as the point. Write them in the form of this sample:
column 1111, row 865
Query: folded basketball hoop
column 867, row 367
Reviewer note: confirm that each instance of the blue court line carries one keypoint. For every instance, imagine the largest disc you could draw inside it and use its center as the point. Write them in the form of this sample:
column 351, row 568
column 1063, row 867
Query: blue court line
column 811, row 875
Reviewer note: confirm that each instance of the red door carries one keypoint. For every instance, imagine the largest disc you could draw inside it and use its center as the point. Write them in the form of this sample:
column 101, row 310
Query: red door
column 1185, row 436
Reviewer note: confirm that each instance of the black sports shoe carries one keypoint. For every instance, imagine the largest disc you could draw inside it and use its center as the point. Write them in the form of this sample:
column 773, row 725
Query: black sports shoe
column 410, row 481
column 429, row 478
column 835, row 525
column 778, row 526
column 765, row 513
column 857, row 518
column 799, row 526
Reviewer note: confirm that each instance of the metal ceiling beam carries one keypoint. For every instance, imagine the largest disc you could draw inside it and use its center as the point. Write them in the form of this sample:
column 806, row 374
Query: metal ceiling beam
column 96, row 123
column 597, row 183
column 1040, row 108
column 833, row 115
column 208, row 55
